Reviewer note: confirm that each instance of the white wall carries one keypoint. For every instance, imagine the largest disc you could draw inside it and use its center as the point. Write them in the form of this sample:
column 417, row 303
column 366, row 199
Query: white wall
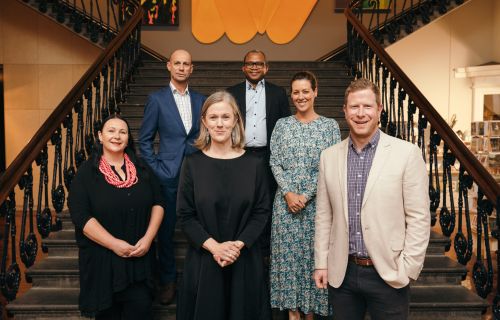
column 323, row 31
column 464, row 37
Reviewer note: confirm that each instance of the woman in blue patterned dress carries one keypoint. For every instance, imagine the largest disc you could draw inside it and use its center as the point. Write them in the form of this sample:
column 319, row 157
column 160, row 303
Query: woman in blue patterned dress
column 296, row 144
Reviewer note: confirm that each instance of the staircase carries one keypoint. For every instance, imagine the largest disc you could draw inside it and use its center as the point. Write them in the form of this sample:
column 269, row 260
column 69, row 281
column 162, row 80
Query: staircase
column 88, row 20
column 437, row 294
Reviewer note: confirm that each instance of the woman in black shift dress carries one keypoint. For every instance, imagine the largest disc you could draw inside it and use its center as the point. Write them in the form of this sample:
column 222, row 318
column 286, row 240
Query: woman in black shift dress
column 117, row 207
column 223, row 205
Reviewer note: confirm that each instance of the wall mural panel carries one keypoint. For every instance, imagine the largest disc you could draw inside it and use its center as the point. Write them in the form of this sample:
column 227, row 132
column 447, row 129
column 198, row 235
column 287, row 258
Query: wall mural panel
column 160, row 12
column 241, row 20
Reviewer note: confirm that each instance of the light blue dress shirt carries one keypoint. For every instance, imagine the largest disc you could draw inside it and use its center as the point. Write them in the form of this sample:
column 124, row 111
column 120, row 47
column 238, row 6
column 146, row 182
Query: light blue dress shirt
column 255, row 127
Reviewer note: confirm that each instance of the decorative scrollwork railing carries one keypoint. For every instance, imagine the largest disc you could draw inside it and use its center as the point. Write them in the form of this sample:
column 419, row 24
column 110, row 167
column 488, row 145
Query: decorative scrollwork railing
column 389, row 20
column 53, row 155
column 99, row 21
column 406, row 109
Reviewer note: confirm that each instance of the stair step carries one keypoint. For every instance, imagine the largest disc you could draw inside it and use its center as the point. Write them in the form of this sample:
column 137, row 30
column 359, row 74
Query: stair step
column 136, row 112
column 440, row 270
column 63, row 244
column 445, row 302
column 437, row 244
column 161, row 72
column 62, row 303
column 63, row 272
column 160, row 83
column 321, row 100
column 237, row 65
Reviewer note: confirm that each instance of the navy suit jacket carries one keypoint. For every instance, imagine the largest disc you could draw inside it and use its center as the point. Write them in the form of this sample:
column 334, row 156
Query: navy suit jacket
column 277, row 105
column 161, row 116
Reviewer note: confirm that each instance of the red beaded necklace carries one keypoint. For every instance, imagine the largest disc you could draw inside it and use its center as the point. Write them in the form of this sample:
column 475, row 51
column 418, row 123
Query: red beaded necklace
column 113, row 179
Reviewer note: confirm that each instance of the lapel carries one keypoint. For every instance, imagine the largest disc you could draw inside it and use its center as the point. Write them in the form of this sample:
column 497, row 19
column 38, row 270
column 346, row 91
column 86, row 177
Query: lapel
column 379, row 160
column 195, row 113
column 173, row 109
column 343, row 175
column 268, row 104
column 241, row 92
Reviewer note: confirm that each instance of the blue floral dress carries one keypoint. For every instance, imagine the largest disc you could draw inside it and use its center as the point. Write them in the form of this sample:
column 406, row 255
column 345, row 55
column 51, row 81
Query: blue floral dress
column 295, row 152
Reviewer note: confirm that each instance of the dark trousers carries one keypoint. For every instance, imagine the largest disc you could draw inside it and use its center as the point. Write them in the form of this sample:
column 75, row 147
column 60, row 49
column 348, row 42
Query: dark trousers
column 166, row 250
column 364, row 290
column 133, row 303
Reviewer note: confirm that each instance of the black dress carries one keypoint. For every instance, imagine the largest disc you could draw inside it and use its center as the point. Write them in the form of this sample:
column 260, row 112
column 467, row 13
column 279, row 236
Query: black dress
column 125, row 214
column 228, row 200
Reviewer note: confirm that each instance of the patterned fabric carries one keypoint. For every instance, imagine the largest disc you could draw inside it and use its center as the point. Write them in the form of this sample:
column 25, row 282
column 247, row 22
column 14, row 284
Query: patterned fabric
column 358, row 168
column 183, row 102
column 295, row 152
column 255, row 124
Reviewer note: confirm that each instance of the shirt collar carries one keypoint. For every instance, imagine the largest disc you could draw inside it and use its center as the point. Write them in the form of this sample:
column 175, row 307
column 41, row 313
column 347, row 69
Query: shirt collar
column 372, row 143
column 174, row 89
column 260, row 84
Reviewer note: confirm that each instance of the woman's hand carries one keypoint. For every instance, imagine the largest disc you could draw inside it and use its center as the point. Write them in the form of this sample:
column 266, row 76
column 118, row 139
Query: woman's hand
column 122, row 248
column 224, row 253
column 295, row 202
column 225, row 262
column 141, row 247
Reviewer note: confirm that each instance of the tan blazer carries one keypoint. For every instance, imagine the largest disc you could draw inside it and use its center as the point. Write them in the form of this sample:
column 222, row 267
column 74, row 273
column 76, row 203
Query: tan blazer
column 395, row 216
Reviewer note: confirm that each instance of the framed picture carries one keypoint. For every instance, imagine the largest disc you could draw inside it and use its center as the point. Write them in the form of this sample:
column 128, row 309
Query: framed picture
column 366, row 5
column 160, row 13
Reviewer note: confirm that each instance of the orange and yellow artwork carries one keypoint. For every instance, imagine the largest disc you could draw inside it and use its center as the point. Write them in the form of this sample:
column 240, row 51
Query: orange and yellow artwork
column 241, row 20
column 160, row 13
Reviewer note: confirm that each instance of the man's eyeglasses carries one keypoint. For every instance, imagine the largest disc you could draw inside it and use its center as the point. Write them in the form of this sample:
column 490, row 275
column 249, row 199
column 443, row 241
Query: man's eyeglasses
column 258, row 64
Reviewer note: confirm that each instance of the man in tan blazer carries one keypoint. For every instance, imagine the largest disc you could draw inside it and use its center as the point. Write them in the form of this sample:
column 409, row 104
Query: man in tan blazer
column 372, row 219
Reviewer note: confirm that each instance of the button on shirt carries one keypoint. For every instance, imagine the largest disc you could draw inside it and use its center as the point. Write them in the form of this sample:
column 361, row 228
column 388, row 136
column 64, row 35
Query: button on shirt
column 358, row 168
column 183, row 102
column 255, row 126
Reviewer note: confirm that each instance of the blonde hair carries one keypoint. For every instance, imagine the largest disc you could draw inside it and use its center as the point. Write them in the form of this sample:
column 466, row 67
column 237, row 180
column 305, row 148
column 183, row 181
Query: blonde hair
column 237, row 135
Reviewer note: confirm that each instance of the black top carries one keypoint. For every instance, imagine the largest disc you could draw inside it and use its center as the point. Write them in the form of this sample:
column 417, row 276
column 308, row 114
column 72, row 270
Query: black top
column 125, row 214
column 226, row 199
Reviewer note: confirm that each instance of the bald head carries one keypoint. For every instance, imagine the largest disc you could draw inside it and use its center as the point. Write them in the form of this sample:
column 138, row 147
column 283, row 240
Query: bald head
column 180, row 53
column 180, row 68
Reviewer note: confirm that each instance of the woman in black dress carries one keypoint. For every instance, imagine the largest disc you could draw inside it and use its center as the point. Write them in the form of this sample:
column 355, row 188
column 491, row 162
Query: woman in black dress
column 223, row 205
column 117, row 207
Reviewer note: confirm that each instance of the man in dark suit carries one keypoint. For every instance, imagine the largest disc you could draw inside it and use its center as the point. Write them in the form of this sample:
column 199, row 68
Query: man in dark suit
column 261, row 104
column 174, row 113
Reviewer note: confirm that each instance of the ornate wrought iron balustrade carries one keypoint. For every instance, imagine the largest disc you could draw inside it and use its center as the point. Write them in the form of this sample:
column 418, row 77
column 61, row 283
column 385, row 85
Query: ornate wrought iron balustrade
column 408, row 115
column 100, row 21
column 387, row 19
column 41, row 174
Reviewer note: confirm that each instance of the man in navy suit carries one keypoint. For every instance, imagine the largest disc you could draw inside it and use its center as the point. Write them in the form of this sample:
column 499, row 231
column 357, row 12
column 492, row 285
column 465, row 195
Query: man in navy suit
column 174, row 113
column 261, row 104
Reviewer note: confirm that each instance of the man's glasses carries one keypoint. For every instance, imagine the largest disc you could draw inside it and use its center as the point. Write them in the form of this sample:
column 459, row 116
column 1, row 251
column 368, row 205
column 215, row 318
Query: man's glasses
column 257, row 64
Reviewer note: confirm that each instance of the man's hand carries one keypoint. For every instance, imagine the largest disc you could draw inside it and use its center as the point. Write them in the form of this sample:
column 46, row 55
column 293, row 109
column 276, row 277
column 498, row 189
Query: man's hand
column 321, row 278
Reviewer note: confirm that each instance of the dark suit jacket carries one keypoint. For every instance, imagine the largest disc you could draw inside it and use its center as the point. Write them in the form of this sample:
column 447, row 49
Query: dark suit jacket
column 277, row 105
column 162, row 115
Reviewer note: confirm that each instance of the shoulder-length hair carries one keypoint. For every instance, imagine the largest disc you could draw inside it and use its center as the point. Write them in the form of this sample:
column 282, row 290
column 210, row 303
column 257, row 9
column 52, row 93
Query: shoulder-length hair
column 237, row 135
column 129, row 149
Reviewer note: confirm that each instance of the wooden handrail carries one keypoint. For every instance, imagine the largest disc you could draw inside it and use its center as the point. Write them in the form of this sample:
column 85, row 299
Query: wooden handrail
column 480, row 175
column 332, row 53
column 30, row 152
column 154, row 53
